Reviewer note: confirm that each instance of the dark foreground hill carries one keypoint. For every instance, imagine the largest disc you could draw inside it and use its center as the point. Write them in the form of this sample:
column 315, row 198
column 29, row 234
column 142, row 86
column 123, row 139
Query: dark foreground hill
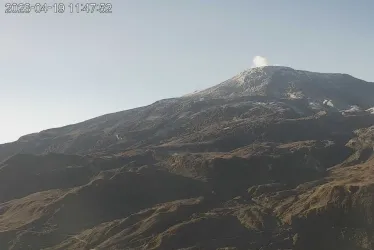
column 273, row 158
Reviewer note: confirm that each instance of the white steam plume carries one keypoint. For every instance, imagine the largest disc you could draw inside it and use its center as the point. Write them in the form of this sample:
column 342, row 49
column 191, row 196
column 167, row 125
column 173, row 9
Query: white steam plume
column 260, row 61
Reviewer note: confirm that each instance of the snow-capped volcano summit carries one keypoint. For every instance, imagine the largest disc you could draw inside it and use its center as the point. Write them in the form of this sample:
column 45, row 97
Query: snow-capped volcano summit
column 341, row 91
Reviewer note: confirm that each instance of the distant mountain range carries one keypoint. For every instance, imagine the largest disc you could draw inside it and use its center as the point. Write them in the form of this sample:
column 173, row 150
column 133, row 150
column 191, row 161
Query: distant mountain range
column 273, row 158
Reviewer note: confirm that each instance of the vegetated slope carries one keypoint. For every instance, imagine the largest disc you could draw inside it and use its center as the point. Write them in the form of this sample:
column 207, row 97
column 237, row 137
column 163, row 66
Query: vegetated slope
column 261, row 168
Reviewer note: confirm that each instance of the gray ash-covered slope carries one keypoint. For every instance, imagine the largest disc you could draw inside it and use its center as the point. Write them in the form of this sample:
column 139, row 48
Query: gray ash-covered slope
column 270, row 92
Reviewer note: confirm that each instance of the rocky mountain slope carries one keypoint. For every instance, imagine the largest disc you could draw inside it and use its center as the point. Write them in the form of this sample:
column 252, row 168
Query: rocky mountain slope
column 260, row 94
column 274, row 158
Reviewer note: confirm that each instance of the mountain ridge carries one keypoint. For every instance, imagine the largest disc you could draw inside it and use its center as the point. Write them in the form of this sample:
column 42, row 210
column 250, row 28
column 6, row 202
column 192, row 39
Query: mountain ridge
column 264, row 86
column 245, row 72
column 285, row 162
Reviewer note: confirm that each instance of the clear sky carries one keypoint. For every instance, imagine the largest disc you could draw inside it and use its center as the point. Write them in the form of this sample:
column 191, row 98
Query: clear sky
column 58, row 69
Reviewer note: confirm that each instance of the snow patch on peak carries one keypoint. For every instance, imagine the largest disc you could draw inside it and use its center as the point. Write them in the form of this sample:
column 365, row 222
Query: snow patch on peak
column 262, row 70
column 371, row 110
column 295, row 95
column 259, row 75
column 328, row 103
column 315, row 105
column 354, row 108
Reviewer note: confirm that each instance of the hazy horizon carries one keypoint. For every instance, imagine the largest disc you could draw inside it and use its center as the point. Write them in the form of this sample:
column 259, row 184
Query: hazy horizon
column 61, row 69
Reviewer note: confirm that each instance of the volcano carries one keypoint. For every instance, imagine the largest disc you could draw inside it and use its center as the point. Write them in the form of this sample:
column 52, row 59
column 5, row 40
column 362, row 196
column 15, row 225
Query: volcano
column 273, row 158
